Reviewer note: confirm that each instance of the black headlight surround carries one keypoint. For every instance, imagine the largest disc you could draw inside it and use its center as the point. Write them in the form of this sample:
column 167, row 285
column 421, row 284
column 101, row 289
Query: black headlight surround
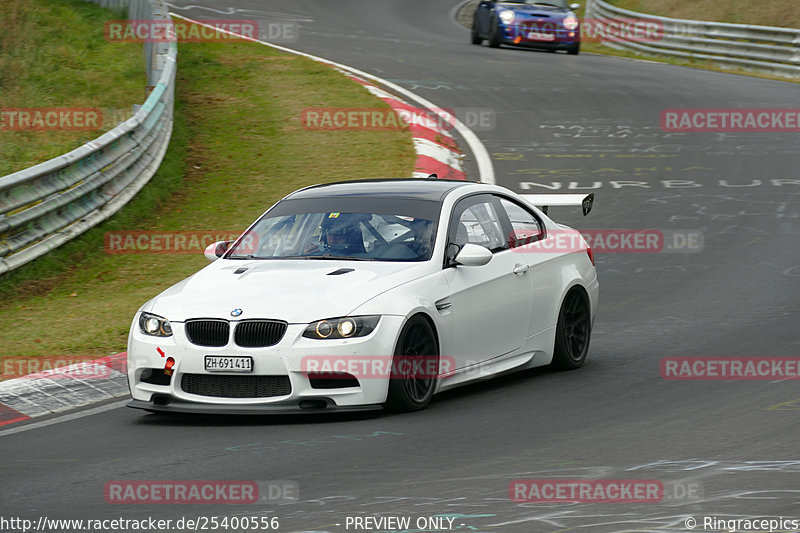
column 164, row 327
column 364, row 325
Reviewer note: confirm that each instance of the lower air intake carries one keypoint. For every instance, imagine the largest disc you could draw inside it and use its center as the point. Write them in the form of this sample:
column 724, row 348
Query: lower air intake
column 236, row 386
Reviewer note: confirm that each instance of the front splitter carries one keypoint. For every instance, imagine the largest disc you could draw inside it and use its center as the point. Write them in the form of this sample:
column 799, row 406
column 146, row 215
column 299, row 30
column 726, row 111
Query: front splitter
column 180, row 406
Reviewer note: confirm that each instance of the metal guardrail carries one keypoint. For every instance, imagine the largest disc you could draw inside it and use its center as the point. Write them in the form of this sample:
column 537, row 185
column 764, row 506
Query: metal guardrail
column 44, row 206
column 763, row 49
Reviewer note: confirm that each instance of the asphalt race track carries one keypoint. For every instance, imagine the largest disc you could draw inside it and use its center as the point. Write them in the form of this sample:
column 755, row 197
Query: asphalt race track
column 587, row 120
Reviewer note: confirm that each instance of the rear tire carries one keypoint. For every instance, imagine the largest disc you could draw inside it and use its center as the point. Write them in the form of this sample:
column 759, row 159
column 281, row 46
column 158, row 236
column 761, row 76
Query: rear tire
column 573, row 331
column 410, row 390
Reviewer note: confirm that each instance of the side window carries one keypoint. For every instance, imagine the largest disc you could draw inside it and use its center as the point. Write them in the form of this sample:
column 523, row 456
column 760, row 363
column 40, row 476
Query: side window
column 526, row 228
column 478, row 222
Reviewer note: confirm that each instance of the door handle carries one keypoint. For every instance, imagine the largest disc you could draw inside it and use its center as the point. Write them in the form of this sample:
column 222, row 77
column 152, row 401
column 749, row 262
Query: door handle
column 521, row 269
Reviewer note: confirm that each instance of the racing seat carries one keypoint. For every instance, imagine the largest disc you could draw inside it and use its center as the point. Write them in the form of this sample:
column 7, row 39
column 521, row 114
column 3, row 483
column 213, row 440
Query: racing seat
column 462, row 235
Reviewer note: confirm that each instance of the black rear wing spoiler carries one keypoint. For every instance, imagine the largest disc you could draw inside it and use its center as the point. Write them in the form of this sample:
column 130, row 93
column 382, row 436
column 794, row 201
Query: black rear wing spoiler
column 544, row 201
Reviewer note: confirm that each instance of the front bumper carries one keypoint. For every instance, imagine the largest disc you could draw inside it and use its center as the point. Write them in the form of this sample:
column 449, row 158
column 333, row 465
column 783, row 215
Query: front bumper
column 543, row 45
column 286, row 360
column 518, row 35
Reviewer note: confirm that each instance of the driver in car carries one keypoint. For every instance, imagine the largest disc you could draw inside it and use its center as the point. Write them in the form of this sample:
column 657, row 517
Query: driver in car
column 340, row 234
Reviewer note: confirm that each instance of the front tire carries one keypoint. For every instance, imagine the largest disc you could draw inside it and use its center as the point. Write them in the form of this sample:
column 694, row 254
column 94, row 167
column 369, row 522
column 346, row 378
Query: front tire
column 410, row 390
column 494, row 35
column 573, row 331
column 574, row 49
column 476, row 38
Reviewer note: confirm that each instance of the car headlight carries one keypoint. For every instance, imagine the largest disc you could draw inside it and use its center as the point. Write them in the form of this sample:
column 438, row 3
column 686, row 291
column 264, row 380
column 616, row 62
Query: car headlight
column 341, row 328
column 506, row 16
column 570, row 22
column 154, row 325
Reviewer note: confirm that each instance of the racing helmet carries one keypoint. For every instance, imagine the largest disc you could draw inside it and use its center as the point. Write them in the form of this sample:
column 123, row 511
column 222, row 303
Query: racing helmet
column 342, row 232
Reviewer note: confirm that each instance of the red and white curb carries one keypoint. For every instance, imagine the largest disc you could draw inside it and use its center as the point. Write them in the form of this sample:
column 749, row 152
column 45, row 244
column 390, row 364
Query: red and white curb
column 437, row 151
column 63, row 389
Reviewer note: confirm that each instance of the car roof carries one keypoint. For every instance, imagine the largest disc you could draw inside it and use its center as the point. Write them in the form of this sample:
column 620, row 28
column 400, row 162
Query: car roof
column 412, row 188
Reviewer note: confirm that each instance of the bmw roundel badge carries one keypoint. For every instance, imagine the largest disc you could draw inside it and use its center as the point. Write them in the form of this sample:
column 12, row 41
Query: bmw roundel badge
column 236, row 312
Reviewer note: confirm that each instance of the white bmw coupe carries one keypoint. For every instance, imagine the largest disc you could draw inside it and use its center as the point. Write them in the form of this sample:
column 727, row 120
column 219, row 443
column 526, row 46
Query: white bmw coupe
column 369, row 294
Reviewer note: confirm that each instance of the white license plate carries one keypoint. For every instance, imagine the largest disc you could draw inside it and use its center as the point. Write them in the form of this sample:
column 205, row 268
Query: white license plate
column 224, row 363
column 536, row 36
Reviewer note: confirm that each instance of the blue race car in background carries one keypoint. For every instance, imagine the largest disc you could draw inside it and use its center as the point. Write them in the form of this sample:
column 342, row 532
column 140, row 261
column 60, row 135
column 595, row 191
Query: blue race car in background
column 547, row 24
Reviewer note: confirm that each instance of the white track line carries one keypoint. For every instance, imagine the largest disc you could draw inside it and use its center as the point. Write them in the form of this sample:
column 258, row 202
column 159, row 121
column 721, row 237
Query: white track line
column 485, row 168
column 63, row 418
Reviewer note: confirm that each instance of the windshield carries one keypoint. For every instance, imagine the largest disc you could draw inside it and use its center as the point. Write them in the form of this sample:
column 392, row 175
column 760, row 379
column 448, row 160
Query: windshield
column 555, row 3
column 358, row 235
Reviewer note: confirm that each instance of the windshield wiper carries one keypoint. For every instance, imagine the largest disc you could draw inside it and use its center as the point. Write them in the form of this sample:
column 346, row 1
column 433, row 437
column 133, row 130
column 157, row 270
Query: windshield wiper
column 259, row 258
column 325, row 257
column 340, row 258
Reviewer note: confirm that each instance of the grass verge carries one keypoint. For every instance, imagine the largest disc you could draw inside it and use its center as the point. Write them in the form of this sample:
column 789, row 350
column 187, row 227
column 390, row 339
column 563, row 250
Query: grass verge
column 238, row 146
column 780, row 13
column 48, row 59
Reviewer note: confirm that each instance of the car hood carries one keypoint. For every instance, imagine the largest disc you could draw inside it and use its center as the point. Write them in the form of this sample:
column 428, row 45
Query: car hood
column 298, row 291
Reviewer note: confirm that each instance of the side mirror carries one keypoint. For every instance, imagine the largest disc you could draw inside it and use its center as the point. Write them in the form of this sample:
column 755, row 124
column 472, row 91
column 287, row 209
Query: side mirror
column 473, row 255
column 574, row 6
column 215, row 250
